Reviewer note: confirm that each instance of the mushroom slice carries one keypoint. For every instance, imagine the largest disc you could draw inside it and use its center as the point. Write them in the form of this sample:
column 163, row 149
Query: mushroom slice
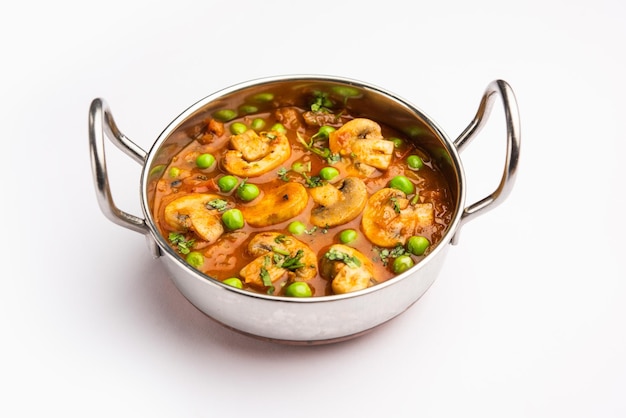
column 261, row 272
column 362, row 141
column 194, row 212
column 256, row 154
column 277, row 205
column 348, row 269
column 374, row 152
column 389, row 218
column 276, row 255
column 338, row 204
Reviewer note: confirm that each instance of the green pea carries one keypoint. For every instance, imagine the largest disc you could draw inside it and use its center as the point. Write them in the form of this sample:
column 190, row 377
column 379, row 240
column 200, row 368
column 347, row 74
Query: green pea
column 234, row 282
column 247, row 191
column 347, row 236
column 417, row 245
column 296, row 228
column 238, row 128
column 195, row 259
column 263, row 97
column 329, row 173
column 414, row 131
column 346, row 91
column 205, row 160
column 173, row 172
column 403, row 184
column 324, row 131
column 397, row 142
column 227, row 183
column 248, row 109
column 299, row 167
column 443, row 155
column 225, row 115
column 233, row 219
column 414, row 162
column 279, row 127
column 402, row 264
column 257, row 124
column 157, row 170
column 298, row 290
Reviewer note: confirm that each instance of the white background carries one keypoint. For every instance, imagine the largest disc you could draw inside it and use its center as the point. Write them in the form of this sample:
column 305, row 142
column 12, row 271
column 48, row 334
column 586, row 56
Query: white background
column 526, row 319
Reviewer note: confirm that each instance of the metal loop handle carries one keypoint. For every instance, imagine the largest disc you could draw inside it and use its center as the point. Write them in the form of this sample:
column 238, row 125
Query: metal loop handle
column 501, row 88
column 101, row 123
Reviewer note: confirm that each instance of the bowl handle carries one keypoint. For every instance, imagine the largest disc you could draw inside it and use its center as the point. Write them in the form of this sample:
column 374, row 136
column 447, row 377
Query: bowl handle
column 101, row 123
column 511, row 113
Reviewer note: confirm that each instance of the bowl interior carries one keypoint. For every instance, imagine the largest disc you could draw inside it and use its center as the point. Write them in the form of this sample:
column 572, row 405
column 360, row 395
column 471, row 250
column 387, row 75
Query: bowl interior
column 358, row 98
column 264, row 95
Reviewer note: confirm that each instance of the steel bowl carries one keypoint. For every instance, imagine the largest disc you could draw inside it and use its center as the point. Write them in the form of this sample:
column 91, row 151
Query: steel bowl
column 316, row 320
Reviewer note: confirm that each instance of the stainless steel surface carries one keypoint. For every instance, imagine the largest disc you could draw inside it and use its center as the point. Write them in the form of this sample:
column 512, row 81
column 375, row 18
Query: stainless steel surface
column 101, row 123
column 513, row 130
column 296, row 320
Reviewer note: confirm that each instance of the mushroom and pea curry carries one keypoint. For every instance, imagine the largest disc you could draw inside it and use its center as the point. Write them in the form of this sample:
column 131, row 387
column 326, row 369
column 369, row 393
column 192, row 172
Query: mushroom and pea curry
column 301, row 201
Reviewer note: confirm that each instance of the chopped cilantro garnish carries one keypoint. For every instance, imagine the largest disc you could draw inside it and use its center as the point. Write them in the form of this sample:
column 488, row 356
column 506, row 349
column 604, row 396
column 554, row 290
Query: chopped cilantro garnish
column 280, row 251
column 314, row 181
column 265, row 276
column 333, row 158
column 293, row 263
column 317, row 104
column 282, row 238
column 397, row 251
column 278, row 258
column 323, row 152
column 336, row 255
column 394, row 204
column 184, row 245
column 321, row 102
column 385, row 253
column 217, row 204
column 267, row 281
column 282, row 174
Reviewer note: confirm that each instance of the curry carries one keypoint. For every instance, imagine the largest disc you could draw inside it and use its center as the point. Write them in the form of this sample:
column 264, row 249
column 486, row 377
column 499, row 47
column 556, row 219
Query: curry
column 301, row 201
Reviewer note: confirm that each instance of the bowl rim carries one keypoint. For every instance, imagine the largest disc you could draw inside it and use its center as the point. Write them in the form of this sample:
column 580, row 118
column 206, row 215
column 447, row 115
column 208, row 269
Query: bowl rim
column 166, row 250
